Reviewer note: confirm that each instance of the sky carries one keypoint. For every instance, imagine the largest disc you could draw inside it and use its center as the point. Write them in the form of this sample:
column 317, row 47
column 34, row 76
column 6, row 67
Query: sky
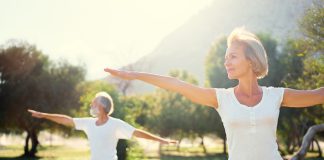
column 96, row 33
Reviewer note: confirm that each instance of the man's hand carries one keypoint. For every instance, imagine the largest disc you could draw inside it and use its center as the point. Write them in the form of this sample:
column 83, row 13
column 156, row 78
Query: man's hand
column 36, row 114
column 58, row 118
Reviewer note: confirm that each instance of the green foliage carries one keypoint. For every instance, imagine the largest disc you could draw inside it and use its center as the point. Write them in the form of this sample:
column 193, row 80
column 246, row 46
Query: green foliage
column 312, row 26
column 29, row 80
column 304, row 64
column 173, row 115
column 216, row 75
column 275, row 71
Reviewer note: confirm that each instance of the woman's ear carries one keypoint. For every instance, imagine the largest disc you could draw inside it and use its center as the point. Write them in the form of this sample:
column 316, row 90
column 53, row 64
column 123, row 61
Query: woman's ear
column 250, row 63
column 252, row 66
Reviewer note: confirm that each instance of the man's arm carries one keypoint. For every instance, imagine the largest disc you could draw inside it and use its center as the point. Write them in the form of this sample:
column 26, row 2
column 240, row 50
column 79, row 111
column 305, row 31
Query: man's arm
column 58, row 118
column 143, row 134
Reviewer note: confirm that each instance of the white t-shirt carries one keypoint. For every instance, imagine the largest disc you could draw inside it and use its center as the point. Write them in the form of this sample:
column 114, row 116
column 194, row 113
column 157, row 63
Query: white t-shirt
column 103, row 139
column 251, row 131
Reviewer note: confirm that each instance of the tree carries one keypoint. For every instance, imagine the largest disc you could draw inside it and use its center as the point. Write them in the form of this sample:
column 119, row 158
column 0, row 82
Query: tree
column 173, row 115
column 216, row 75
column 170, row 116
column 308, row 138
column 30, row 80
column 309, row 52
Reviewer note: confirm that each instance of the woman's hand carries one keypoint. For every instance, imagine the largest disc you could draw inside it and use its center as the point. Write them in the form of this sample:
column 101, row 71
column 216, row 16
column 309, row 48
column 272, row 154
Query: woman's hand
column 127, row 75
column 36, row 114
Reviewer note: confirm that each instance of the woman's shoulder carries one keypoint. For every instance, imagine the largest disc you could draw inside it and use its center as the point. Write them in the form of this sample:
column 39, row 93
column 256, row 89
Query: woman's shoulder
column 224, row 91
column 273, row 90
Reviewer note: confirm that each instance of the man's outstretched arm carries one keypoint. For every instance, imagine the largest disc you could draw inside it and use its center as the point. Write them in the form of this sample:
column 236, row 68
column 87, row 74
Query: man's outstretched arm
column 146, row 135
column 58, row 118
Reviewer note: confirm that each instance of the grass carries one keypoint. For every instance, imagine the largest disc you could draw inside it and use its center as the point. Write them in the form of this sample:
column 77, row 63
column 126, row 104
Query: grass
column 46, row 153
column 69, row 153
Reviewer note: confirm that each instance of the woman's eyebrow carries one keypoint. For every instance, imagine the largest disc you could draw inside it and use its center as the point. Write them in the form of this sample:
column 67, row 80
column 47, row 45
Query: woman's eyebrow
column 230, row 53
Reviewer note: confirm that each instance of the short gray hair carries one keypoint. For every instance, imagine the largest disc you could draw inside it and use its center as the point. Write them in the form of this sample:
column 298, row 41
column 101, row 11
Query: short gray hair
column 254, row 50
column 106, row 100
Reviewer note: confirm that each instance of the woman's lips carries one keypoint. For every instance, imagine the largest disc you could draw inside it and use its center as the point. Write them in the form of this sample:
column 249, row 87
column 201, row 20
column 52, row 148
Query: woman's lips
column 229, row 70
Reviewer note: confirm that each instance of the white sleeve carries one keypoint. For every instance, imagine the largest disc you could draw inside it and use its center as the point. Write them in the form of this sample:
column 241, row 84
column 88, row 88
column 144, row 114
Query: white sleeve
column 124, row 130
column 278, row 94
column 219, row 95
column 280, row 91
column 80, row 123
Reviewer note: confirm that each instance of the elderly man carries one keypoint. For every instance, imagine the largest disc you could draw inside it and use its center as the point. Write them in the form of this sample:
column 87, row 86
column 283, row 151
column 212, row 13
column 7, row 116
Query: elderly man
column 103, row 131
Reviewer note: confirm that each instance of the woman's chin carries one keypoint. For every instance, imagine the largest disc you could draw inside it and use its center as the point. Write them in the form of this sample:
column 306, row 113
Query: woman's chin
column 231, row 77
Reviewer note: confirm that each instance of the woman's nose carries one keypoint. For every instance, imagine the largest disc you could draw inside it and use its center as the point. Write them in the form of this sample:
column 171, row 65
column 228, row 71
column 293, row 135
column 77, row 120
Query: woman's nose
column 226, row 63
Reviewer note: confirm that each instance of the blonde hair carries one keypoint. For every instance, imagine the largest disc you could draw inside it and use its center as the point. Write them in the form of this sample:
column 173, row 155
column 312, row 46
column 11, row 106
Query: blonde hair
column 106, row 100
column 254, row 50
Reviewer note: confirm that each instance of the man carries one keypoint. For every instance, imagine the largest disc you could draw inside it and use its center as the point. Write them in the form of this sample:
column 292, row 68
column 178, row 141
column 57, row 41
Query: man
column 103, row 131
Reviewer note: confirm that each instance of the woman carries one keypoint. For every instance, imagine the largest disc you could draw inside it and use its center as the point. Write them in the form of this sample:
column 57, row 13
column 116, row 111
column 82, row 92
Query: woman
column 248, row 111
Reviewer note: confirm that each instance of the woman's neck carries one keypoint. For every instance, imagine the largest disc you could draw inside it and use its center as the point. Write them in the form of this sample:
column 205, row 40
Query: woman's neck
column 248, row 86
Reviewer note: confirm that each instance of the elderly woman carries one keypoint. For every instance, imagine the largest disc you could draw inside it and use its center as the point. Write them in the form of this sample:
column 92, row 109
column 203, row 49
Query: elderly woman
column 103, row 131
column 248, row 111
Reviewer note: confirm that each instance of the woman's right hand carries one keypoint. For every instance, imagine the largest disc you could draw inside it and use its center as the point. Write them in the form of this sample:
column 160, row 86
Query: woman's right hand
column 36, row 114
column 128, row 75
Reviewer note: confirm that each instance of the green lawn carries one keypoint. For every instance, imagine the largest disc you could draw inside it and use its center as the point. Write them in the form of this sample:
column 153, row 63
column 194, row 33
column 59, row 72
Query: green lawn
column 69, row 153
column 47, row 153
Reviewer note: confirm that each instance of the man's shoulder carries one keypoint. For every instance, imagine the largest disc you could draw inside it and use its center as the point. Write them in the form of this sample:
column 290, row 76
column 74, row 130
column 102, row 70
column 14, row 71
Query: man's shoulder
column 84, row 118
column 116, row 120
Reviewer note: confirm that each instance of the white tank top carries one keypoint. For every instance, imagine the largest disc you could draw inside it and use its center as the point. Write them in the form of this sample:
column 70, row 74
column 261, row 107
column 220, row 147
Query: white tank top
column 251, row 131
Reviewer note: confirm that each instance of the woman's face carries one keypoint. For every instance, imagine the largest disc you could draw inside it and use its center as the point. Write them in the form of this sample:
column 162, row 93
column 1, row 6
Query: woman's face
column 236, row 64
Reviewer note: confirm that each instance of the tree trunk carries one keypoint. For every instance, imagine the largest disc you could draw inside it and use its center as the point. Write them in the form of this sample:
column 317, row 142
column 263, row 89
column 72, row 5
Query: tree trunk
column 224, row 146
column 203, row 144
column 308, row 138
column 294, row 139
column 319, row 149
column 312, row 146
column 31, row 135
column 178, row 145
column 26, row 148
column 35, row 143
column 160, row 149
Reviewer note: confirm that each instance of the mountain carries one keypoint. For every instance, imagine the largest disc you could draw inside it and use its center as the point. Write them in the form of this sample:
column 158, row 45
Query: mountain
column 186, row 47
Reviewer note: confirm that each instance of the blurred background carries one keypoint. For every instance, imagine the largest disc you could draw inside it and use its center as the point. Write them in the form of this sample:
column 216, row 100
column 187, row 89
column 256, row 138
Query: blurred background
column 52, row 55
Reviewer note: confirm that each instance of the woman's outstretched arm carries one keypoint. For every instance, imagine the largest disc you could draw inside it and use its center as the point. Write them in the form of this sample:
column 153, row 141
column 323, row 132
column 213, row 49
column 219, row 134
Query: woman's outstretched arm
column 303, row 98
column 200, row 95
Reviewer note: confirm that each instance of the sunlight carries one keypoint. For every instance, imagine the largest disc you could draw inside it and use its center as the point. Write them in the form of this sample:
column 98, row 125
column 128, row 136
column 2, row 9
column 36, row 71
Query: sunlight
column 100, row 33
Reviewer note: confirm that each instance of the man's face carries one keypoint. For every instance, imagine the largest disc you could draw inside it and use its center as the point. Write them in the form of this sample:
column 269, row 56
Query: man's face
column 95, row 107
column 94, row 103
